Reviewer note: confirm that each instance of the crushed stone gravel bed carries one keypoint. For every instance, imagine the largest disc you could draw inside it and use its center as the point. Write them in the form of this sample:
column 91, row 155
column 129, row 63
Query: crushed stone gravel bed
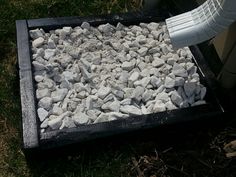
column 87, row 75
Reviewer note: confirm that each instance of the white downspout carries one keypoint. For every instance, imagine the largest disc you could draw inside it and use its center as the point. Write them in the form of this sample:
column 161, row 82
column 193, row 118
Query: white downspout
column 202, row 23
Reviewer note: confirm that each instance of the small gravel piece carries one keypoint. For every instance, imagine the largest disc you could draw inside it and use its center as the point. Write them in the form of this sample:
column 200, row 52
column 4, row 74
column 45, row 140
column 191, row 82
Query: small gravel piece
column 40, row 93
column 169, row 82
column 34, row 34
column 176, row 98
column 45, row 103
column 128, row 65
column 38, row 42
column 42, row 113
column 49, row 53
column 59, row 94
column 80, row 118
column 129, row 109
column 55, row 123
column 189, row 88
column 134, row 76
column 159, row 106
column 157, row 62
column 178, row 70
column 103, row 92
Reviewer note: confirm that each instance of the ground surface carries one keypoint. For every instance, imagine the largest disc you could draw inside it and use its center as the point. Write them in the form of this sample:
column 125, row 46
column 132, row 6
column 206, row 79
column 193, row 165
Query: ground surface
column 195, row 154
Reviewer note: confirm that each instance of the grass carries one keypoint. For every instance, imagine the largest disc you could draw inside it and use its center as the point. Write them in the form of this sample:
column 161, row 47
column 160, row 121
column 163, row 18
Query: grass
column 201, row 155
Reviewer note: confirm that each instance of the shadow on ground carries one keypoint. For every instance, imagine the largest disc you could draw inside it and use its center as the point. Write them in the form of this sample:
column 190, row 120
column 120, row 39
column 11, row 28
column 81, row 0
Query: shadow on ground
column 159, row 152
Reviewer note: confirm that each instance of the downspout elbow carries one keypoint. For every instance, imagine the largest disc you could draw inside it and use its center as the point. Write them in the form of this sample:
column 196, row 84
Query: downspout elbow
column 202, row 23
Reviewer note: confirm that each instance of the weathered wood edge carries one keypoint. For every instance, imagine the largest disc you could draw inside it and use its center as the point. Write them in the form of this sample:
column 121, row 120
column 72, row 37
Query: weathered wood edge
column 29, row 121
column 125, row 18
column 138, row 123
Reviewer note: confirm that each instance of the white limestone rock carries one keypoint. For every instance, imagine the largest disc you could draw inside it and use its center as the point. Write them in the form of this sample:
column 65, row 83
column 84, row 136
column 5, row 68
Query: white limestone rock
column 117, row 115
column 169, row 82
column 67, row 122
column 170, row 106
column 103, row 117
column 69, row 76
column 154, row 50
column 82, row 94
column 45, row 103
column 112, row 106
column 171, row 61
column 67, row 30
column 145, row 72
column 56, row 110
column 143, row 51
column 103, row 92
column 93, row 114
column 38, row 66
column 42, row 114
column 38, row 42
column 189, row 88
column 124, row 76
column 59, row 94
column 147, row 95
column 38, row 78
column 44, row 124
column 36, row 33
column 126, row 101
column 164, row 49
column 141, row 39
column 178, row 70
column 143, row 82
column 152, row 26
column 109, row 97
column 130, row 109
column 159, row 106
column 163, row 96
column 40, row 93
column 156, row 82
column 179, row 81
column 160, row 89
column 137, row 93
column 55, row 123
column 80, row 118
column 85, row 25
column 128, row 66
column 156, row 34
column 176, row 98
column 106, row 28
column 134, row 76
column 200, row 102
column 51, row 44
column 157, row 62
column 144, row 110
column 49, row 53
column 118, row 93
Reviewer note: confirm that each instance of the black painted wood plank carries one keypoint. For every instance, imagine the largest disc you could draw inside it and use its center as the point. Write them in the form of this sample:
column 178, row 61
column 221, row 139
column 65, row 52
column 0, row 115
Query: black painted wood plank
column 23, row 45
column 126, row 19
column 29, row 123
column 137, row 123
